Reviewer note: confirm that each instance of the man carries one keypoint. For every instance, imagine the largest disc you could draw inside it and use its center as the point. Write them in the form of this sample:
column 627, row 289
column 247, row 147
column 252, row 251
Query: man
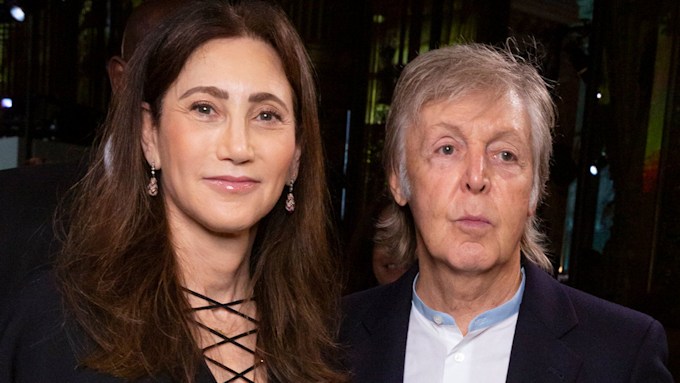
column 467, row 149
column 29, row 195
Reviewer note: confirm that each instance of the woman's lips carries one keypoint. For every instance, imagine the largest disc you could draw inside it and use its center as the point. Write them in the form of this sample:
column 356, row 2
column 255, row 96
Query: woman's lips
column 232, row 183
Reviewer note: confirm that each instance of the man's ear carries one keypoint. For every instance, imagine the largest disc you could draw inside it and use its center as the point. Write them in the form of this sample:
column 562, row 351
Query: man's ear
column 150, row 137
column 396, row 189
column 115, row 68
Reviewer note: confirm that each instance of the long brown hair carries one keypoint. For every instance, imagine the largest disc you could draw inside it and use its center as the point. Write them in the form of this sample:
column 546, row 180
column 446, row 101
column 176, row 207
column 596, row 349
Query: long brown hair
column 118, row 271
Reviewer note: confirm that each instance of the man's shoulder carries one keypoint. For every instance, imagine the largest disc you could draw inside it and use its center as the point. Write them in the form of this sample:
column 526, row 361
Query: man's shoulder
column 581, row 334
column 358, row 306
column 374, row 330
column 371, row 307
column 592, row 313
column 598, row 311
column 363, row 298
column 399, row 290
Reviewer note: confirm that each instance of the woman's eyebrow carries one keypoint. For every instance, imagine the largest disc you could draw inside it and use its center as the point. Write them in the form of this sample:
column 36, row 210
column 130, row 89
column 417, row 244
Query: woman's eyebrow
column 265, row 96
column 211, row 90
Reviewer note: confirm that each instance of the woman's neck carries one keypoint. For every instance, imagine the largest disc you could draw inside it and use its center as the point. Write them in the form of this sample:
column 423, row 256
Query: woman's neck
column 217, row 266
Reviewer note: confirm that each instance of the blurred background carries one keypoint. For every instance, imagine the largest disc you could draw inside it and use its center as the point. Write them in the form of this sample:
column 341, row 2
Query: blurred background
column 613, row 210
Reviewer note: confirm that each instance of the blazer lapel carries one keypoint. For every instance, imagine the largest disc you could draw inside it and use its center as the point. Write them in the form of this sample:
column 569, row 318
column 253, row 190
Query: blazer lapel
column 383, row 349
column 545, row 315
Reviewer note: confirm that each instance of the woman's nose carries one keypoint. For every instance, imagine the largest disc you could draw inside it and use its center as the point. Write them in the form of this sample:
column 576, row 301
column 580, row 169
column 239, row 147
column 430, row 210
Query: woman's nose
column 235, row 142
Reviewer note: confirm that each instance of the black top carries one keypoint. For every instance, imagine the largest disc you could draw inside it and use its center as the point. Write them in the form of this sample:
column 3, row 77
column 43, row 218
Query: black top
column 28, row 198
column 39, row 344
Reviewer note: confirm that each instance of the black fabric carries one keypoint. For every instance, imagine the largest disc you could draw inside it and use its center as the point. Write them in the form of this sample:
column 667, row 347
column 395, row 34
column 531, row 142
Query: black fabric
column 28, row 197
column 562, row 335
column 38, row 344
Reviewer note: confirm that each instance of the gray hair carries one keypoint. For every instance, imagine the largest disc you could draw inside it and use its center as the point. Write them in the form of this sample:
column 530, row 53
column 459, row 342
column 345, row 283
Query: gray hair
column 454, row 72
column 394, row 231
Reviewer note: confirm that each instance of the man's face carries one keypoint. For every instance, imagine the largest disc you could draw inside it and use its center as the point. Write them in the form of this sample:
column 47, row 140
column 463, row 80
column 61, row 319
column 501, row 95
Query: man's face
column 470, row 168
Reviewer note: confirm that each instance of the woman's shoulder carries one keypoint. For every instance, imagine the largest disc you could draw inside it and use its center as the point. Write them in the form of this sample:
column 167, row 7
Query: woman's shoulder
column 35, row 301
column 31, row 326
column 37, row 342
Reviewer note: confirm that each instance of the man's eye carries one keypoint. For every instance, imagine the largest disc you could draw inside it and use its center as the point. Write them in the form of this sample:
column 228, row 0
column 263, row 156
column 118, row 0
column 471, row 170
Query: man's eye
column 446, row 149
column 507, row 156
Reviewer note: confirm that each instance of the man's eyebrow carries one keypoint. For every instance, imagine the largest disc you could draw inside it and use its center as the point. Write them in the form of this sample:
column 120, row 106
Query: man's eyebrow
column 503, row 133
column 448, row 126
column 509, row 133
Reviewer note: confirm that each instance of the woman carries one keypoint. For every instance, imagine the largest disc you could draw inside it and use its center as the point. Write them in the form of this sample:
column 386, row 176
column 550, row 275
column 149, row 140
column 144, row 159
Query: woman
column 198, row 245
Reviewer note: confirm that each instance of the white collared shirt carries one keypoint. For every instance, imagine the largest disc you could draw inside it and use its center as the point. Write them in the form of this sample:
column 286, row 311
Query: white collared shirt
column 436, row 350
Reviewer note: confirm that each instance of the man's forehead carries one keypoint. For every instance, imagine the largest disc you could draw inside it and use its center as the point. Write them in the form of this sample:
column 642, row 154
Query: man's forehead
column 504, row 112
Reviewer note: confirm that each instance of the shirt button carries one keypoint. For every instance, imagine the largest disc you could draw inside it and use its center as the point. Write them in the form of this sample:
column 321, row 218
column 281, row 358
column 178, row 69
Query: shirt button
column 438, row 320
column 459, row 357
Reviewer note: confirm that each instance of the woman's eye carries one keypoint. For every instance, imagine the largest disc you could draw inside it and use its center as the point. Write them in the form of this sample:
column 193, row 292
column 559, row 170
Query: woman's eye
column 268, row 116
column 446, row 149
column 203, row 109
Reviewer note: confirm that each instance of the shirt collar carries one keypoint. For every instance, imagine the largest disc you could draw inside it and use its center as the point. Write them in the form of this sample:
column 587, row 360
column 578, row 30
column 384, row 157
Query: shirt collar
column 481, row 321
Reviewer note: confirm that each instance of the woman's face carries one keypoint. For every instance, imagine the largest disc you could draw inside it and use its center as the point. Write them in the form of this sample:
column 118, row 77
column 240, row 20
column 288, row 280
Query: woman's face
column 225, row 141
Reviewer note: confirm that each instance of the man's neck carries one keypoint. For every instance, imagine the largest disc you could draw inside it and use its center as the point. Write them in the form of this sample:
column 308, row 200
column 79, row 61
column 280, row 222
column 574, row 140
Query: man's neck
column 464, row 295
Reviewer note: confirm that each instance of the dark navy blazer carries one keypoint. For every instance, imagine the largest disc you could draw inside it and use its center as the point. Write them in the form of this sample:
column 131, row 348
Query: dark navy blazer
column 562, row 335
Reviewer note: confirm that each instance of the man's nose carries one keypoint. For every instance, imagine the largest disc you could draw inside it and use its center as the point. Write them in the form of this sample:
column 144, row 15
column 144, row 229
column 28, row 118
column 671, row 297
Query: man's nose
column 476, row 179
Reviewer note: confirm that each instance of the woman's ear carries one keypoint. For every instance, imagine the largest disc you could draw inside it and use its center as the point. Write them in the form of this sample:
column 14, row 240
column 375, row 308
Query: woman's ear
column 150, row 137
column 295, row 165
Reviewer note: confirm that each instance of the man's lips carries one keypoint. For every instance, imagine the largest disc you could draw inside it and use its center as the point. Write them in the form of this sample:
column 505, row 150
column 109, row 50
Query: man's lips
column 473, row 223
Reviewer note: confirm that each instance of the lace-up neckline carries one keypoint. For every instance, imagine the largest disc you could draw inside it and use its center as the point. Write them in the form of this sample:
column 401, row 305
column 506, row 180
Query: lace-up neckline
column 226, row 340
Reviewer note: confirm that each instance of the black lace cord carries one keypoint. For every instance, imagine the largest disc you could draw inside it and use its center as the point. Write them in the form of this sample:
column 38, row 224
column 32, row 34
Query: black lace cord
column 226, row 339
column 237, row 375
column 227, row 306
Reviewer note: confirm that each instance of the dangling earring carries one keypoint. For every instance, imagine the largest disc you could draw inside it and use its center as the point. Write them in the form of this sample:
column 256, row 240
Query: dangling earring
column 290, row 199
column 152, row 187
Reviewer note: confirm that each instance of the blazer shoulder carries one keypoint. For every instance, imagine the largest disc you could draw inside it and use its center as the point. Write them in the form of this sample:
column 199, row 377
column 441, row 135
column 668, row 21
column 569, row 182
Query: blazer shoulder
column 380, row 299
column 357, row 307
column 597, row 311
column 583, row 337
column 637, row 342
column 555, row 301
column 361, row 300
column 374, row 329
